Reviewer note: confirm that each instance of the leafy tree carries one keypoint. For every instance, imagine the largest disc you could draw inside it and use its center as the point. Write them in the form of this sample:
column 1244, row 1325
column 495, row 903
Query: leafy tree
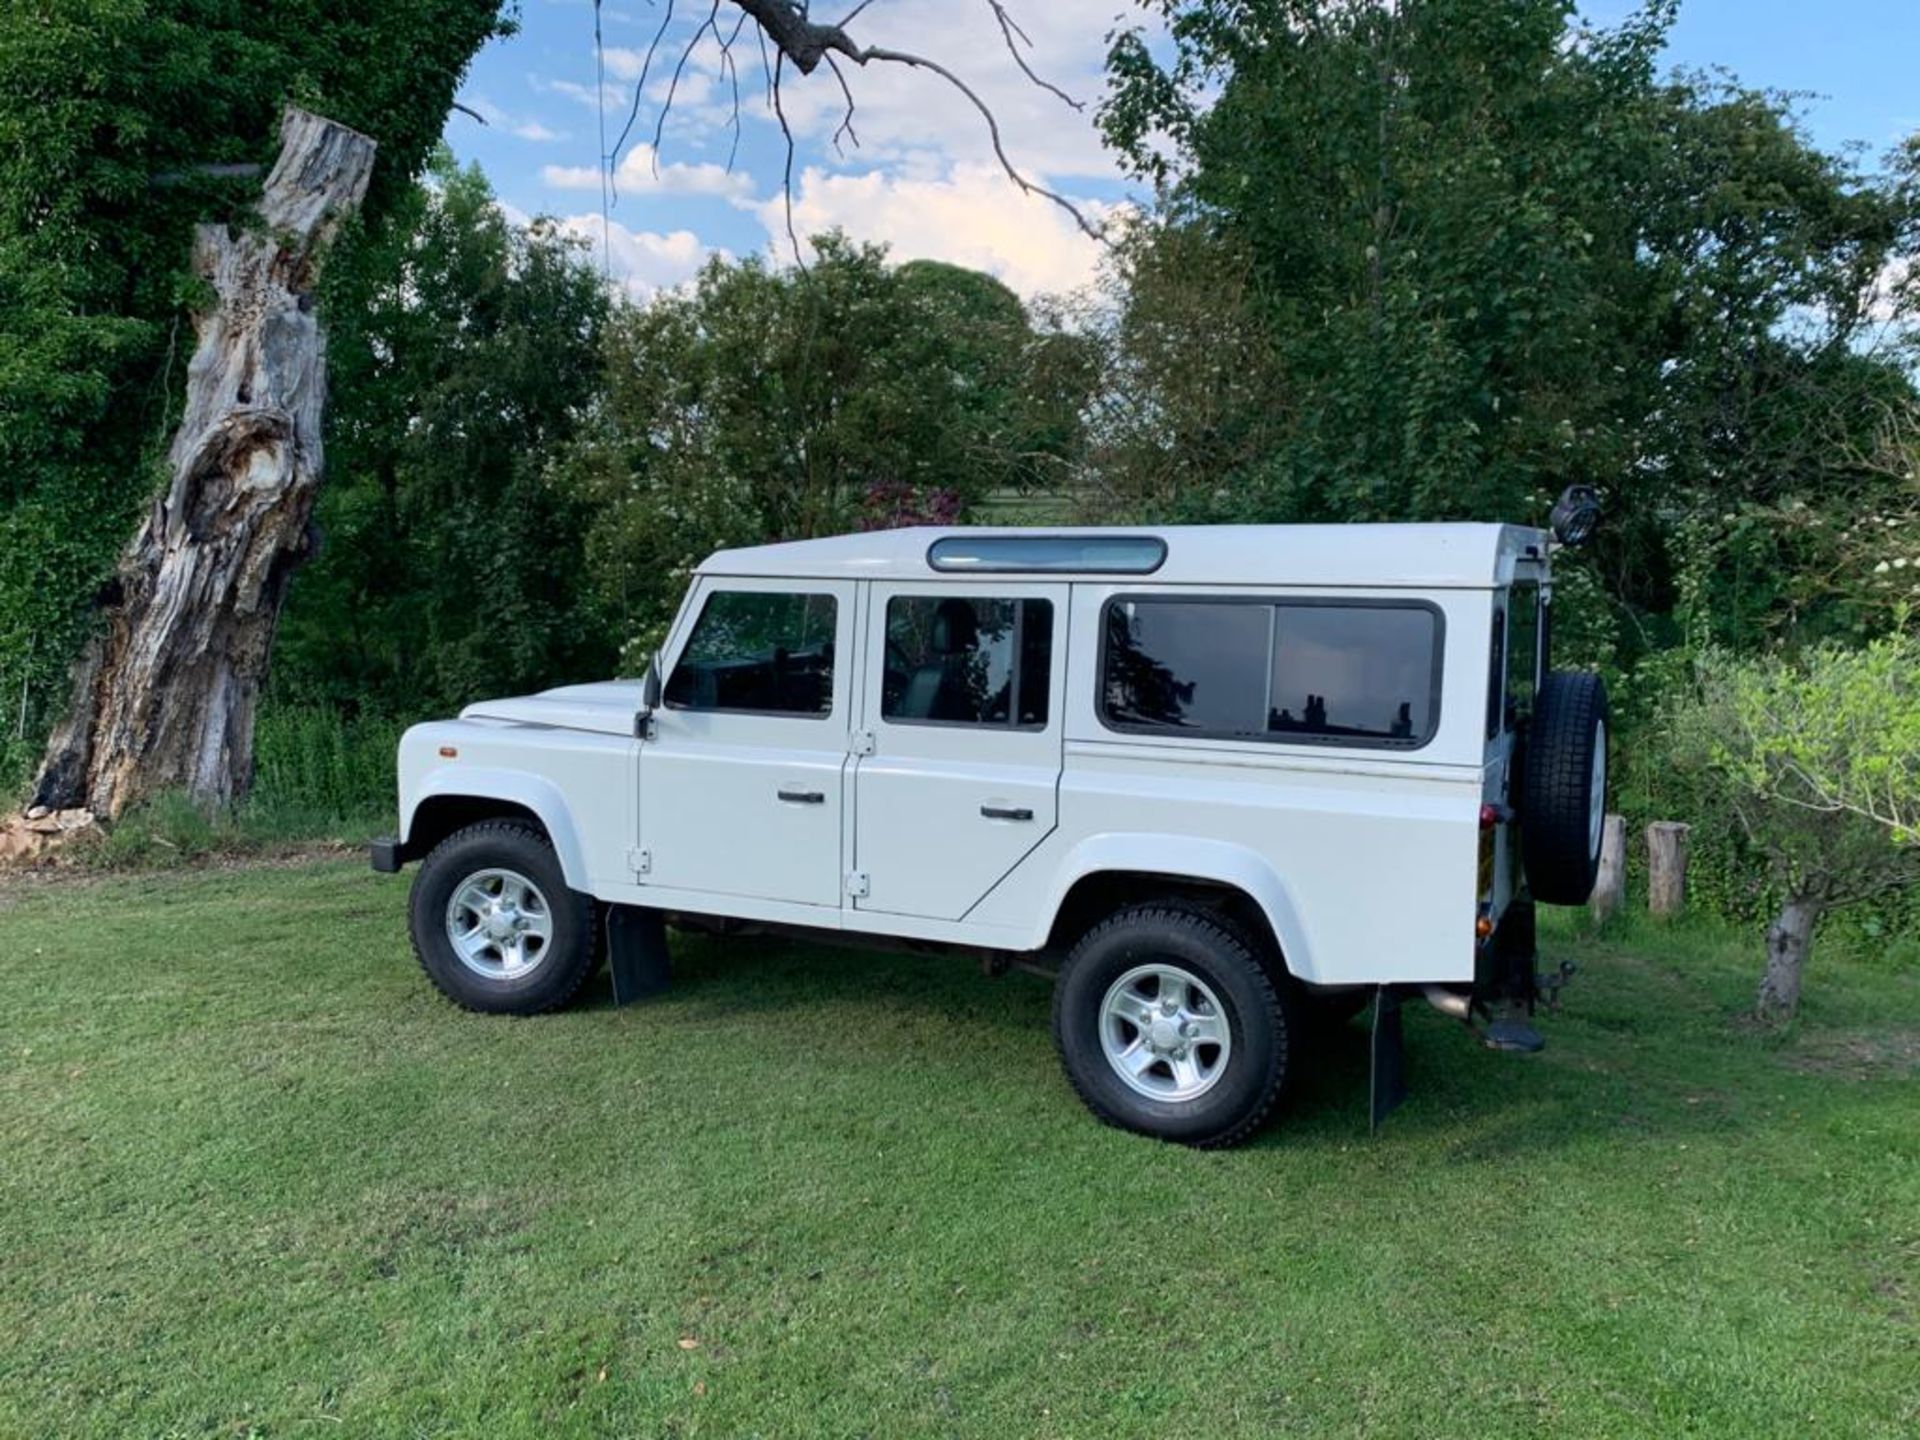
column 463, row 350
column 116, row 117
column 1818, row 763
column 766, row 404
column 1475, row 252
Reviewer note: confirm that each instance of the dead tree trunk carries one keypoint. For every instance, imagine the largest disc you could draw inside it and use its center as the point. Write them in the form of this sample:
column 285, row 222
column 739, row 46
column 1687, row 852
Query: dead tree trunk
column 164, row 697
column 1789, row 939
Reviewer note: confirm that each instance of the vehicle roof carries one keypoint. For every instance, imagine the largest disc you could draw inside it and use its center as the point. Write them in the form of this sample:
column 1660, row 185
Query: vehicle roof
column 1439, row 556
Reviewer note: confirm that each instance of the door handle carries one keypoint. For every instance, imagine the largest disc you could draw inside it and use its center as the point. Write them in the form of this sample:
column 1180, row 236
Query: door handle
column 1006, row 812
column 803, row 797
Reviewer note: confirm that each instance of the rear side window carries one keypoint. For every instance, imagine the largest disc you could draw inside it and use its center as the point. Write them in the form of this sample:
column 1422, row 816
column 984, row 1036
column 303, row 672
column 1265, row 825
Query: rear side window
column 967, row 660
column 1523, row 649
column 1363, row 673
column 759, row 652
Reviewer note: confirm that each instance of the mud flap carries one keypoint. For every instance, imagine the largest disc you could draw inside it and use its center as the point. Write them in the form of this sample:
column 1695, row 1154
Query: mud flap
column 637, row 952
column 1387, row 1083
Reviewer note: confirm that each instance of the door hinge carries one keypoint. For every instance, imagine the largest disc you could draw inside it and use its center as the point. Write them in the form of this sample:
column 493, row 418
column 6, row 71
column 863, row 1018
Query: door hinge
column 863, row 742
column 641, row 861
column 857, row 885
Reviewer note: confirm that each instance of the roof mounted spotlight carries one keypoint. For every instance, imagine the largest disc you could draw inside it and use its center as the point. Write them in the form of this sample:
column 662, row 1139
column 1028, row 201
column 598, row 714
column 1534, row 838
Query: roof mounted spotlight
column 1576, row 515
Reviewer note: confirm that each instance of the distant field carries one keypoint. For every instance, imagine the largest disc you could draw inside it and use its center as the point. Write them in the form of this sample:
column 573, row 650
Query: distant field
column 259, row 1180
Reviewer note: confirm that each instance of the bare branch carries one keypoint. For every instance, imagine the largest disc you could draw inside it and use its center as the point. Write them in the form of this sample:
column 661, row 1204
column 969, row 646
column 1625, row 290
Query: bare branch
column 639, row 92
column 468, row 110
column 846, row 121
column 673, row 86
column 806, row 44
column 733, row 76
column 1010, row 29
column 1030, row 187
column 786, row 187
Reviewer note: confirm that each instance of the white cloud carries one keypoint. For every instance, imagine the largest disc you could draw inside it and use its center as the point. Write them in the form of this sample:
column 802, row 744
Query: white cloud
column 973, row 216
column 642, row 173
column 645, row 261
column 535, row 131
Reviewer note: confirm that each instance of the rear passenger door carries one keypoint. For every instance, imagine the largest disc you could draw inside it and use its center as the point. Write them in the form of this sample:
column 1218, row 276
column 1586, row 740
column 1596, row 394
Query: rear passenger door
column 961, row 710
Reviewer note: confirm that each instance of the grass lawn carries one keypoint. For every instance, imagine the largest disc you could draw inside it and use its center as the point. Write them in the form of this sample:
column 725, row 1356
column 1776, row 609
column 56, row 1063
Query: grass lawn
column 258, row 1179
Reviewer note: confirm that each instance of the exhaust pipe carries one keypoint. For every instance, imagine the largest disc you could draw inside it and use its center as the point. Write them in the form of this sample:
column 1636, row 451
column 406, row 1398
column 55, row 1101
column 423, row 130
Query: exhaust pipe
column 1449, row 1002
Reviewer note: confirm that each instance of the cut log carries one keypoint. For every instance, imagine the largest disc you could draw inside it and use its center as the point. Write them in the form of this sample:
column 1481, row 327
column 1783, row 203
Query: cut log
column 1610, row 886
column 163, row 696
column 1667, row 867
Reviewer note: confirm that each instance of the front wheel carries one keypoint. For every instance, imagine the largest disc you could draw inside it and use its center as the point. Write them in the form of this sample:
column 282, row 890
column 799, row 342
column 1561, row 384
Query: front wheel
column 494, row 924
column 1168, row 1024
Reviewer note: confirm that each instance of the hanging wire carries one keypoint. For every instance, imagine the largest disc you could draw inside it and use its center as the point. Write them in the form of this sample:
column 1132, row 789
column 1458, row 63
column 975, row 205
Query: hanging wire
column 606, row 168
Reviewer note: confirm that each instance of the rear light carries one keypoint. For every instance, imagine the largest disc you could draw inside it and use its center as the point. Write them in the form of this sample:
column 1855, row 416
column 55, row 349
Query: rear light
column 1492, row 815
column 1483, row 927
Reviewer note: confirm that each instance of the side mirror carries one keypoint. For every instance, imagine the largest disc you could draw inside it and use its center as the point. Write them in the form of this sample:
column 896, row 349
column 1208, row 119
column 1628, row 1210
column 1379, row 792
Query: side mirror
column 650, row 688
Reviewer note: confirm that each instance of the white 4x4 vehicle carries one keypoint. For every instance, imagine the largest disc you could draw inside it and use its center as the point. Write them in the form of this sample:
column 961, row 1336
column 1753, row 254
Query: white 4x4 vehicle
column 1222, row 780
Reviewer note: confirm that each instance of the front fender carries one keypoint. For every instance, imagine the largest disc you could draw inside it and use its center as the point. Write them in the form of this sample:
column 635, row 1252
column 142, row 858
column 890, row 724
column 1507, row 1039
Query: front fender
column 1218, row 862
column 516, row 787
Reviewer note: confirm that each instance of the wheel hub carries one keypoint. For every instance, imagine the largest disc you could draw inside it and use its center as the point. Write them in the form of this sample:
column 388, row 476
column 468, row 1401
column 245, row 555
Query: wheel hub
column 499, row 924
column 1165, row 1032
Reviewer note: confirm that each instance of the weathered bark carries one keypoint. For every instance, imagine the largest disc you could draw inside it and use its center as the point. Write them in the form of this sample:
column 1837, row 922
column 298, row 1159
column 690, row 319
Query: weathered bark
column 1667, row 867
column 163, row 697
column 1789, row 939
column 1610, row 886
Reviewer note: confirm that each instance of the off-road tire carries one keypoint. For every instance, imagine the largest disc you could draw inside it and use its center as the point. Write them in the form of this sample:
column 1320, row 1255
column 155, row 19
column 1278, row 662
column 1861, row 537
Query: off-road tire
column 1262, row 1012
column 1559, row 832
column 572, row 955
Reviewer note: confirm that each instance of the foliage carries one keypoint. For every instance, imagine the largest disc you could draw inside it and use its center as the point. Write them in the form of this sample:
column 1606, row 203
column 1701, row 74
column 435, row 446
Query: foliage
column 463, row 349
column 1818, row 761
column 107, row 110
column 1474, row 251
column 763, row 404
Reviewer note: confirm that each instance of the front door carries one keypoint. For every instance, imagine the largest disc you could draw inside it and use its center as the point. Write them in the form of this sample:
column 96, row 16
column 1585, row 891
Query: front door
column 962, row 702
column 741, row 775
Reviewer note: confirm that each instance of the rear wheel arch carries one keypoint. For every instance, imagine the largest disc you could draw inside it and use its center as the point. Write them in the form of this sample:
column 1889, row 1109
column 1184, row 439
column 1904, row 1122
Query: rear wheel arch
column 1095, row 896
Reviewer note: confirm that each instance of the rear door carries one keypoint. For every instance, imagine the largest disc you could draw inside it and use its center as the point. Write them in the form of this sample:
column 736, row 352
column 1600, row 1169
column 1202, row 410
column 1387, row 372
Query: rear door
column 961, row 709
column 741, row 776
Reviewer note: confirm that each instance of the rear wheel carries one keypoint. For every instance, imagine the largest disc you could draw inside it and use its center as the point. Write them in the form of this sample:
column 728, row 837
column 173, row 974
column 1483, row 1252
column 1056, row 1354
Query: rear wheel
column 1168, row 1024
column 494, row 924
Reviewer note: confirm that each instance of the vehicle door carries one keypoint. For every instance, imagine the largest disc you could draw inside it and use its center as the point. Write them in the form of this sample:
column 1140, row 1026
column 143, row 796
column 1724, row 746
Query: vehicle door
column 961, row 711
column 741, row 772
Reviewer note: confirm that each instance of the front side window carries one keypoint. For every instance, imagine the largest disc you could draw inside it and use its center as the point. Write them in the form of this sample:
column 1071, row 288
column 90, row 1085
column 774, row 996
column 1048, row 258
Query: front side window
column 760, row 651
column 967, row 660
column 1360, row 672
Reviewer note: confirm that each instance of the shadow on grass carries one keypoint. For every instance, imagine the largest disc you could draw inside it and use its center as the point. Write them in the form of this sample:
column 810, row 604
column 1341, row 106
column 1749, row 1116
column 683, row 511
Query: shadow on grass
column 1597, row 1080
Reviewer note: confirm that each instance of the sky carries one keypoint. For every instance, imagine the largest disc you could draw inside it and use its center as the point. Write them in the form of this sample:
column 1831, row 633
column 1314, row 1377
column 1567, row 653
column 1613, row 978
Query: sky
column 922, row 177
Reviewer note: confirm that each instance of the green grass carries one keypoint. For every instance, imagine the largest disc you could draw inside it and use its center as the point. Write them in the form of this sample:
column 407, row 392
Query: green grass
column 259, row 1180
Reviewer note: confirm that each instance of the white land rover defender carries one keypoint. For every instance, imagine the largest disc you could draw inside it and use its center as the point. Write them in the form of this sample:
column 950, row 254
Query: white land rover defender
column 1223, row 782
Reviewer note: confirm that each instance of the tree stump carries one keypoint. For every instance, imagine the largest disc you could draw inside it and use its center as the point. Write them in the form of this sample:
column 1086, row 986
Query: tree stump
column 164, row 696
column 1610, row 886
column 1667, row 867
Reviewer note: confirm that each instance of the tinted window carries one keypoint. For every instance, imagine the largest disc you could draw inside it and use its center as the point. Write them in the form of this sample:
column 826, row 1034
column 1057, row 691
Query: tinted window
column 1288, row 671
column 967, row 660
column 754, row 650
column 1523, row 650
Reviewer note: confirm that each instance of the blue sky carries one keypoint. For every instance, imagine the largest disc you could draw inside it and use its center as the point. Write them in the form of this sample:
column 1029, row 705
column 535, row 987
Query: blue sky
column 923, row 177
